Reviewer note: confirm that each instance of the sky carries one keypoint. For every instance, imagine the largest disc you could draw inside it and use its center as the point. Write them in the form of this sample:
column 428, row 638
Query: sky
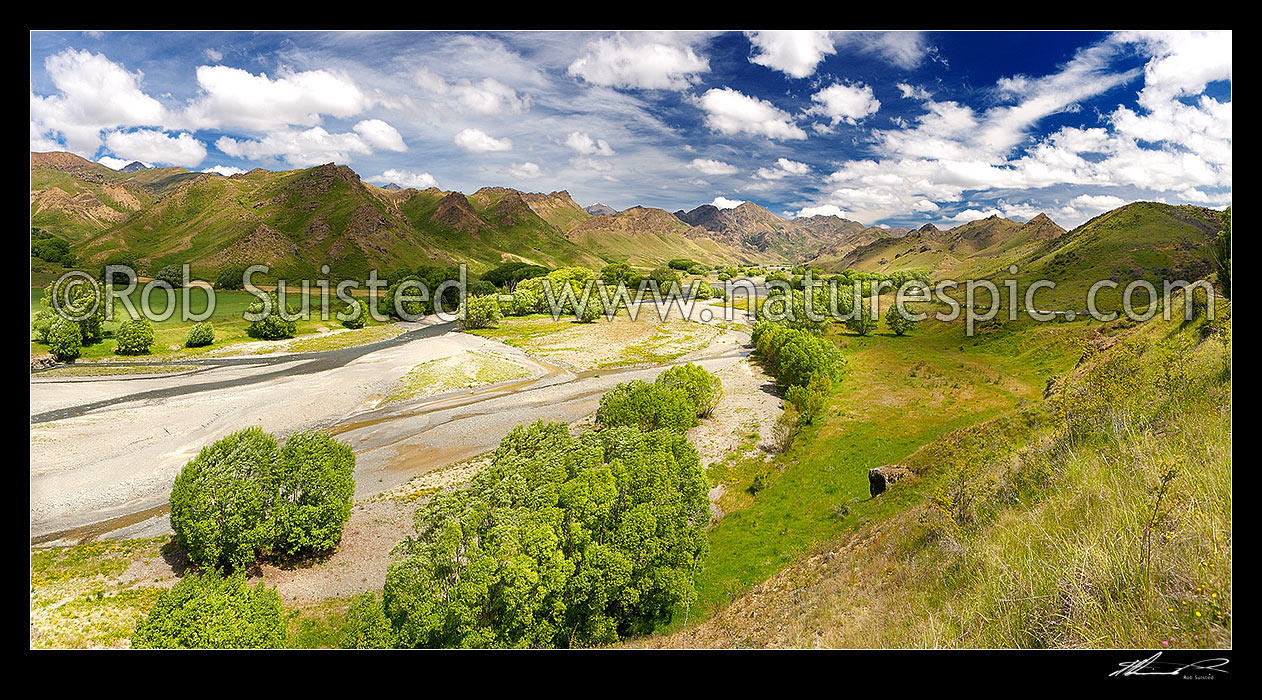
column 891, row 129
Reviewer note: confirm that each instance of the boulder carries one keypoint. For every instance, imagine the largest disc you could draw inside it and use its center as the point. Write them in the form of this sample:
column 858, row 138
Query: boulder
column 880, row 478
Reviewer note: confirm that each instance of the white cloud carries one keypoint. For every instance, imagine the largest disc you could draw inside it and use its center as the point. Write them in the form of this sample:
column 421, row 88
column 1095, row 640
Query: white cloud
column 486, row 97
column 212, row 55
column 380, row 135
column 526, row 171
column 725, row 203
column 583, row 144
column 794, row 53
column 914, row 92
column 406, row 178
column 154, row 146
column 232, row 97
column 784, row 167
column 115, row 163
column 823, row 210
column 478, row 141
column 313, row 146
column 731, row 112
column 94, row 93
column 903, row 49
column 712, row 167
column 585, row 163
column 848, row 103
column 225, row 170
column 644, row 61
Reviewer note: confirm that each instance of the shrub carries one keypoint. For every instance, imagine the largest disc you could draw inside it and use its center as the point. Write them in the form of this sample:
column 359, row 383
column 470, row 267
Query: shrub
column 404, row 302
column 558, row 542
column 703, row 389
column 172, row 275
column 898, row 323
column 681, row 264
column 613, row 273
column 366, row 626
column 272, row 326
column 481, row 312
column 200, row 335
column 592, row 310
column 796, row 356
column 647, row 407
column 41, row 323
column 810, row 400
column 315, row 484
column 667, row 280
column 208, row 611
column 134, row 336
column 785, row 429
column 863, row 322
column 231, row 277
column 219, row 503
column 65, row 341
column 698, row 270
column 360, row 319
column 701, row 289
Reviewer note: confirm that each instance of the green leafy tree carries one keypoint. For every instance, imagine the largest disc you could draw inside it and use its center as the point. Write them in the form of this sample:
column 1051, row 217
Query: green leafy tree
column 80, row 300
column 482, row 312
column 172, row 275
column 647, row 407
column 558, row 542
column 863, row 322
column 703, row 389
column 810, row 400
column 41, row 323
column 209, row 611
column 220, row 500
column 360, row 319
column 272, row 326
column 613, row 273
column 314, row 489
column 134, row 336
column 366, row 625
column 65, row 341
column 898, row 323
column 231, row 277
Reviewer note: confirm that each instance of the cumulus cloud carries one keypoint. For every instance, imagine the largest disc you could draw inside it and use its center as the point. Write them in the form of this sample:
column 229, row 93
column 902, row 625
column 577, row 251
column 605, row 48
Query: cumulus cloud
column 729, row 111
column 643, row 61
column 583, row 144
column 783, row 168
column 380, row 135
column 93, row 94
column 712, row 167
column 154, row 146
column 231, row 97
column 845, row 103
column 794, row 53
column 478, row 141
column 526, row 171
column 406, row 178
column 725, row 203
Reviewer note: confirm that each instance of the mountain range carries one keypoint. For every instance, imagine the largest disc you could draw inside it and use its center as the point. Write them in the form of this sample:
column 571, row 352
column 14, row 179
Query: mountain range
column 299, row 220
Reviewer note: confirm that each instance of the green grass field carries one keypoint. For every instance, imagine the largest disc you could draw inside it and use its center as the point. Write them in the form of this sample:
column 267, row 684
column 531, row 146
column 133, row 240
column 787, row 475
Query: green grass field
column 899, row 393
column 230, row 327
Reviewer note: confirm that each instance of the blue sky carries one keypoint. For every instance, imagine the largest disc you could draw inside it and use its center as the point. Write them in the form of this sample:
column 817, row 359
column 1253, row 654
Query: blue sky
column 899, row 128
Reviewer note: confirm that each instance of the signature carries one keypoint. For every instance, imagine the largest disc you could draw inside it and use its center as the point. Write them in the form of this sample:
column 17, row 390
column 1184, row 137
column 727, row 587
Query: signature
column 1152, row 667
